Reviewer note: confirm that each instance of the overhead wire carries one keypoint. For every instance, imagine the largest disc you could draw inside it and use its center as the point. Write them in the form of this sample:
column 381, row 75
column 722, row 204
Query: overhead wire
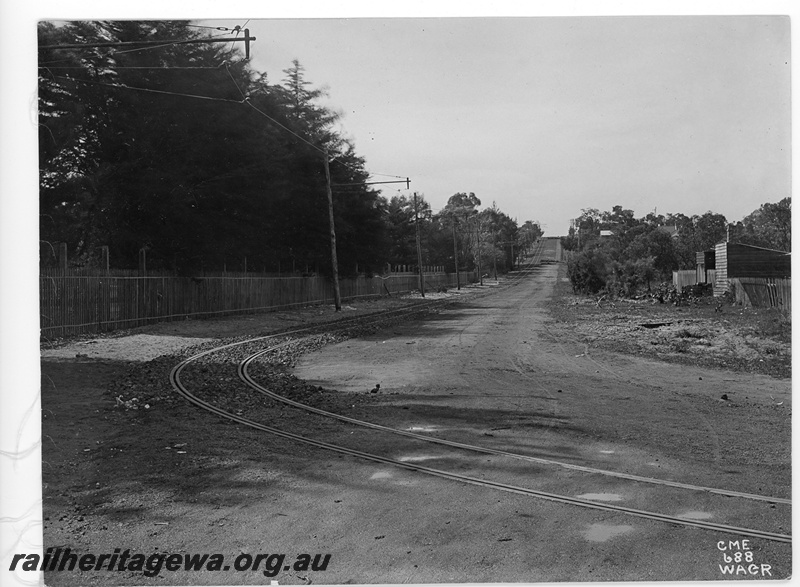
column 216, row 28
column 312, row 145
column 134, row 67
column 126, row 87
column 237, row 29
column 124, row 51
column 245, row 100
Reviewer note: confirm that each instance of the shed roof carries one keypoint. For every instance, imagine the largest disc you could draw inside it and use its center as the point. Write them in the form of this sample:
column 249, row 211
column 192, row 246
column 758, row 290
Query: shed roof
column 755, row 247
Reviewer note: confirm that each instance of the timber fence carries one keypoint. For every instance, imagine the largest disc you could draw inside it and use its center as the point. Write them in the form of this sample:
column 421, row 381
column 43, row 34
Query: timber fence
column 681, row 279
column 684, row 277
column 749, row 292
column 72, row 303
column 762, row 292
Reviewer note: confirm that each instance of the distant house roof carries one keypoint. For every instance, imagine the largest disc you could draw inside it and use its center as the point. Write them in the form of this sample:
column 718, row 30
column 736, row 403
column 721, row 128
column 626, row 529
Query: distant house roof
column 606, row 233
column 670, row 230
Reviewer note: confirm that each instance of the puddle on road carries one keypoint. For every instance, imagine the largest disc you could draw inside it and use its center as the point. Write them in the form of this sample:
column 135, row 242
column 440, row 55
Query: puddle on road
column 415, row 458
column 381, row 475
column 421, row 429
column 607, row 452
column 601, row 496
column 695, row 515
column 603, row 532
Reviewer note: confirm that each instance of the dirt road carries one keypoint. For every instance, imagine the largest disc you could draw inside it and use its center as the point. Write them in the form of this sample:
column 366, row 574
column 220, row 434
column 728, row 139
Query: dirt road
column 497, row 373
column 492, row 371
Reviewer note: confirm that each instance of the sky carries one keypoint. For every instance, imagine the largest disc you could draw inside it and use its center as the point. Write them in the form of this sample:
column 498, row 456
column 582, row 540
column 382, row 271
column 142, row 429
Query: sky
column 547, row 116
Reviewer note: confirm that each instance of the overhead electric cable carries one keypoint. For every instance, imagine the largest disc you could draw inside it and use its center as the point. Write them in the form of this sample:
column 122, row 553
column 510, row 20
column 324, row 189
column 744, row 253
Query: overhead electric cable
column 132, row 67
column 124, row 87
column 387, row 175
column 334, row 159
column 142, row 49
column 216, row 28
column 246, row 100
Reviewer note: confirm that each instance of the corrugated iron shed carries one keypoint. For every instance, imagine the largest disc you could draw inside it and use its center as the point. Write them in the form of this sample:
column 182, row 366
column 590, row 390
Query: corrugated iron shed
column 737, row 260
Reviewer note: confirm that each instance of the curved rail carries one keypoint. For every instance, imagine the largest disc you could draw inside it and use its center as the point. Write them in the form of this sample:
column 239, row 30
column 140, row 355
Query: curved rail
column 248, row 379
column 183, row 391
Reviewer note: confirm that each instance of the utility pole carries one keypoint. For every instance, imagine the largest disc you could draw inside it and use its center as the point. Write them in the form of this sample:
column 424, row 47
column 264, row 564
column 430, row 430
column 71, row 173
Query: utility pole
column 478, row 241
column 419, row 248
column 337, row 298
column 494, row 253
column 455, row 254
column 512, row 252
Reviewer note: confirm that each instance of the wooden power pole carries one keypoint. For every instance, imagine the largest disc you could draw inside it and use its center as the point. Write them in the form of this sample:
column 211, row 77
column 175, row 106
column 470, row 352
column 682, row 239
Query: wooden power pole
column 337, row 298
column 478, row 241
column 419, row 248
column 455, row 254
column 494, row 253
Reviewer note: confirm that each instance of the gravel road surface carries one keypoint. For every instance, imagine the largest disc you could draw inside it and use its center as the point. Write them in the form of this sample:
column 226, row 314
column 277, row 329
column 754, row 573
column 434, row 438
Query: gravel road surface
column 160, row 475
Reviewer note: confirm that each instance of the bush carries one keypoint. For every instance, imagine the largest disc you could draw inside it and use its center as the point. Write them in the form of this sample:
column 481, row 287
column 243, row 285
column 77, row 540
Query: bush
column 588, row 271
column 629, row 276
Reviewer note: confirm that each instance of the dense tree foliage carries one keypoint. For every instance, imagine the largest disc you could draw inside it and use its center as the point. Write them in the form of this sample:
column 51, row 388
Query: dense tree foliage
column 186, row 152
column 770, row 227
column 618, row 252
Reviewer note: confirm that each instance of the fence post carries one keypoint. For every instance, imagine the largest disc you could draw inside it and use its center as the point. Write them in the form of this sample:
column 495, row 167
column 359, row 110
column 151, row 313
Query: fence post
column 140, row 287
column 104, row 259
column 62, row 257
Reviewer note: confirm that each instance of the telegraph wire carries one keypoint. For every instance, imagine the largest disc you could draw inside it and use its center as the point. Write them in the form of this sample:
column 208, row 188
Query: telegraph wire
column 133, row 67
column 125, row 87
column 216, row 28
column 245, row 100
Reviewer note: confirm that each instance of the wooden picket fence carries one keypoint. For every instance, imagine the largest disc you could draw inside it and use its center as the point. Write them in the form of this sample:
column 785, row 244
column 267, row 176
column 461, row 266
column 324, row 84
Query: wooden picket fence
column 762, row 292
column 684, row 277
column 72, row 303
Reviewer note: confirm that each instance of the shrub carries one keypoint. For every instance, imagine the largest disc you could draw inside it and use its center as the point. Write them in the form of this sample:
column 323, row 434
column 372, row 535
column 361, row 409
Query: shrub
column 588, row 271
column 630, row 275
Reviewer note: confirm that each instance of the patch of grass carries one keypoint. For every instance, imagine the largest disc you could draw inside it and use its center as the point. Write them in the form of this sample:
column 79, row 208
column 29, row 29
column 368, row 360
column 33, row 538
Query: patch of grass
column 773, row 323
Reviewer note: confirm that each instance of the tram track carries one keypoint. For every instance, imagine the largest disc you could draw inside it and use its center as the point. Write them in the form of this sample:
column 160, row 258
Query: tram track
column 343, row 325
column 244, row 375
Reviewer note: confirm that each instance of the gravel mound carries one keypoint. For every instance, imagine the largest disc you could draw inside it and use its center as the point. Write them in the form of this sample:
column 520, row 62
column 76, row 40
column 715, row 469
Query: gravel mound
column 137, row 347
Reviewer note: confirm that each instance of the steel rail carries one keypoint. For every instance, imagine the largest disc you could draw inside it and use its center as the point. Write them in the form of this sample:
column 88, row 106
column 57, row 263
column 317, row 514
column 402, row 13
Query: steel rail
column 248, row 379
column 245, row 376
column 183, row 391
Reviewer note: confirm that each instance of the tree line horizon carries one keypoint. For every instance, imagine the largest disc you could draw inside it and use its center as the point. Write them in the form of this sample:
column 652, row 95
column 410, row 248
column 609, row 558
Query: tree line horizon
column 639, row 251
column 186, row 152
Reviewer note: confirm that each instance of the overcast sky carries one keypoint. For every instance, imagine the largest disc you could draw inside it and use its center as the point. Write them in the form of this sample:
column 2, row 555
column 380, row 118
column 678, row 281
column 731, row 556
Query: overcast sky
column 547, row 116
